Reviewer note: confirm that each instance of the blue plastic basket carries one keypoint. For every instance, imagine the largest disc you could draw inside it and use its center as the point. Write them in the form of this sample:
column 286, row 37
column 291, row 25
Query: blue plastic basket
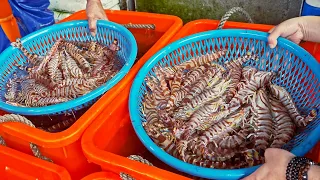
column 297, row 71
column 41, row 41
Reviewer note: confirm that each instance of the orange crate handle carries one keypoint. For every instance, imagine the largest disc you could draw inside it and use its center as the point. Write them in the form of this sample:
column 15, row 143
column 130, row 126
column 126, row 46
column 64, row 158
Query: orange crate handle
column 227, row 15
column 17, row 118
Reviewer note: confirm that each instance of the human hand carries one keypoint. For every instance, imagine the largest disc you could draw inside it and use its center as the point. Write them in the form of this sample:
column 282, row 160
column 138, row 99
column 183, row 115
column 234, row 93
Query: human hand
column 274, row 167
column 296, row 29
column 291, row 29
column 94, row 12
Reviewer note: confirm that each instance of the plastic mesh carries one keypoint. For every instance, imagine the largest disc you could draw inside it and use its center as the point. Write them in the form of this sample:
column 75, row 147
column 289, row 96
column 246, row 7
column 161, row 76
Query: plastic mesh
column 292, row 71
column 41, row 41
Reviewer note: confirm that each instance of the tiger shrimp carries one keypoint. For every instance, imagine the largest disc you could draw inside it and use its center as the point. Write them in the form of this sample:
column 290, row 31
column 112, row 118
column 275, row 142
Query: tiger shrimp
column 226, row 111
column 285, row 98
column 39, row 88
column 67, row 91
column 248, row 72
column 262, row 121
column 193, row 76
column 235, row 72
column 50, row 54
column 225, row 159
column 74, row 81
column 235, row 140
column 176, row 83
column 252, row 157
column 99, row 50
column 41, row 79
column 227, row 164
column 165, row 140
column 220, row 75
column 149, row 110
column 114, row 46
column 64, row 66
column 198, row 87
column 214, row 134
column 53, row 65
column 216, row 155
column 237, row 63
column 177, row 97
column 196, row 119
column 98, row 66
column 92, row 46
column 31, row 57
column 235, row 75
column 284, row 127
column 208, row 95
column 12, row 88
column 112, row 49
column 79, row 58
column 258, row 80
column 175, row 87
column 45, row 101
column 168, row 72
column 159, row 98
column 72, row 65
column 163, row 83
column 201, row 60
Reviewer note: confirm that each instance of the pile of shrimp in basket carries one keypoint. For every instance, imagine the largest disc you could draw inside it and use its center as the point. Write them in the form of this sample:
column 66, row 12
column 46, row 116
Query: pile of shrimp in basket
column 68, row 70
column 219, row 115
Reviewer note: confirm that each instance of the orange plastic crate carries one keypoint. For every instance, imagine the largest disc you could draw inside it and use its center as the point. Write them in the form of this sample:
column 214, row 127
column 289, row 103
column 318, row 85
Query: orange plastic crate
column 110, row 139
column 206, row 25
column 64, row 148
column 102, row 176
column 15, row 165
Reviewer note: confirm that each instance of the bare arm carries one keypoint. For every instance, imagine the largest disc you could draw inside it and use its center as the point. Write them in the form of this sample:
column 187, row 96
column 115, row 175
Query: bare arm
column 95, row 12
column 314, row 173
column 296, row 29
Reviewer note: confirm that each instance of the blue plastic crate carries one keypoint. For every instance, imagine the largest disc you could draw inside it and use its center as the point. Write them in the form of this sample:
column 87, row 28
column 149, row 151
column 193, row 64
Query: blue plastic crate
column 41, row 41
column 297, row 71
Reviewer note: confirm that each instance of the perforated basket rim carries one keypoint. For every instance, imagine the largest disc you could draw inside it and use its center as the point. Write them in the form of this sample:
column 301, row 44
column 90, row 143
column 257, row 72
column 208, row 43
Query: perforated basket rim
column 63, row 107
column 178, row 164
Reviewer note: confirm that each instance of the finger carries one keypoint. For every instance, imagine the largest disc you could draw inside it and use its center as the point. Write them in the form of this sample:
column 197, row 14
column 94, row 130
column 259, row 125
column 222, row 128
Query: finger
column 105, row 15
column 284, row 29
column 276, row 32
column 271, row 30
column 258, row 174
column 93, row 26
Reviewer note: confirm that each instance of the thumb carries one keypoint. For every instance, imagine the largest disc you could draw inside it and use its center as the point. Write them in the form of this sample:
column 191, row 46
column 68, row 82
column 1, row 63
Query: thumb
column 274, row 34
column 93, row 26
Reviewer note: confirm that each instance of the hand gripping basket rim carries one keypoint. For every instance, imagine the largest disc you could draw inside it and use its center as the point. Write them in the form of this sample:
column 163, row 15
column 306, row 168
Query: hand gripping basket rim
column 178, row 164
column 77, row 102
